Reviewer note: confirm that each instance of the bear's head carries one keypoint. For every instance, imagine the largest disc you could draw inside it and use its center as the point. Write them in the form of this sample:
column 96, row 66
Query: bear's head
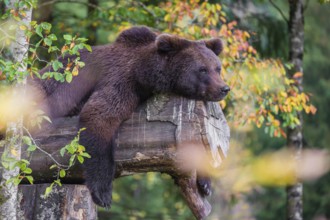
column 194, row 66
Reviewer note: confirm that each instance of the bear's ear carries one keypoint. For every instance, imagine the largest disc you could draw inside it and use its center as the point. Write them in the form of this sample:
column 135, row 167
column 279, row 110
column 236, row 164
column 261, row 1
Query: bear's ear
column 136, row 36
column 215, row 45
column 167, row 43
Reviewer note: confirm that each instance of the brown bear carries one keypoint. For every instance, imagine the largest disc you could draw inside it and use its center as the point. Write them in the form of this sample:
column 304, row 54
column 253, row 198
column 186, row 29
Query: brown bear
column 119, row 76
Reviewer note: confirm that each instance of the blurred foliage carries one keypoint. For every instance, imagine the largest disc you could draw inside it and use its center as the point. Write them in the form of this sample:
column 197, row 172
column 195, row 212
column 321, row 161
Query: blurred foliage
column 147, row 196
column 316, row 81
column 17, row 101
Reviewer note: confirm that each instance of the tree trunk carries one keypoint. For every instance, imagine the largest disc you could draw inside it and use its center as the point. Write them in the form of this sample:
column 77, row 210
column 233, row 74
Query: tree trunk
column 67, row 202
column 295, row 136
column 8, row 192
column 92, row 39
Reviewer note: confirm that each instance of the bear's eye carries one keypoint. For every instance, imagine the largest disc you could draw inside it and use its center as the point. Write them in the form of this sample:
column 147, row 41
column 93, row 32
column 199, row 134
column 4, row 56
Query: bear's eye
column 203, row 70
column 218, row 69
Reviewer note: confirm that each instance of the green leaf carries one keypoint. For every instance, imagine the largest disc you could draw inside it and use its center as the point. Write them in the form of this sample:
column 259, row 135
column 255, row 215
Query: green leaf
column 25, row 161
column 81, row 148
column 32, row 148
column 46, row 26
column 26, row 140
column 46, row 75
column 52, row 49
column 22, row 166
column 56, row 65
column 81, row 39
column 58, row 76
column 84, row 154
column 62, row 173
column 80, row 159
column 52, row 37
column 62, row 151
column 39, row 31
column 88, row 47
column 68, row 78
column 48, row 190
column 30, row 179
column 72, row 158
column 67, row 37
column 16, row 181
column 75, row 49
column 48, row 41
column 53, row 166
column 71, row 149
column 58, row 182
column 27, row 171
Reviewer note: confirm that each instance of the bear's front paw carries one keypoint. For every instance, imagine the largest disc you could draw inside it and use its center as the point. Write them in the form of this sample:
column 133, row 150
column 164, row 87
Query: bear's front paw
column 101, row 193
column 204, row 185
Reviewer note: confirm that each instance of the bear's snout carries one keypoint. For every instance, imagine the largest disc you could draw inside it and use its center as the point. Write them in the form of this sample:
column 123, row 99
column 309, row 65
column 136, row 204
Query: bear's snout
column 222, row 92
column 225, row 90
column 216, row 93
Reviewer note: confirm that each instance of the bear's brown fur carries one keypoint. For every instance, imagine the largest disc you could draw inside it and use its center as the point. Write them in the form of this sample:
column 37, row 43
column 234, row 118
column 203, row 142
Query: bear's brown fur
column 119, row 76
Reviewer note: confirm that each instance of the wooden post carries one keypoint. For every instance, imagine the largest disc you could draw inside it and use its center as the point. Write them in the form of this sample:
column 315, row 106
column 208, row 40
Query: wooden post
column 67, row 202
column 146, row 142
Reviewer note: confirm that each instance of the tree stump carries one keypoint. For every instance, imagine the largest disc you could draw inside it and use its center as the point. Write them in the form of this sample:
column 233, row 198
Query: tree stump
column 147, row 142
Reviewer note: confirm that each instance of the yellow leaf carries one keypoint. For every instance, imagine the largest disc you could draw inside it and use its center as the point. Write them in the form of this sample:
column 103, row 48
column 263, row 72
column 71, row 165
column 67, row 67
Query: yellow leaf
column 307, row 109
column 223, row 104
column 276, row 123
column 72, row 45
column 22, row 27
column 167, row 17
column 284, row 94
column 246, row 34
column 14, row 152
column 75, row 71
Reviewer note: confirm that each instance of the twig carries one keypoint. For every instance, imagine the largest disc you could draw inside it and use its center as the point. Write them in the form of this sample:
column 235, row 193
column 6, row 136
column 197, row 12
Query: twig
column 45, row 152
column 146, row 9
column 279, row 10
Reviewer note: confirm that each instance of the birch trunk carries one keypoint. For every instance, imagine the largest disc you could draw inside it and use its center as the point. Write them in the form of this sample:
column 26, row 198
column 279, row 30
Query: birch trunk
column 9, row 192
column 295, row 136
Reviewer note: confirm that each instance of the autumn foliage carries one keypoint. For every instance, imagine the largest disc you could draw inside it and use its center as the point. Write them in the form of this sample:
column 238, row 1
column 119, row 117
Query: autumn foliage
column 261, row 91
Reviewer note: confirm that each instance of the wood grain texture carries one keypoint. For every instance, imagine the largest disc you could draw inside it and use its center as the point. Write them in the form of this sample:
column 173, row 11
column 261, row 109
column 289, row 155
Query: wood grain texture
column 147, row 142
column 71, row 202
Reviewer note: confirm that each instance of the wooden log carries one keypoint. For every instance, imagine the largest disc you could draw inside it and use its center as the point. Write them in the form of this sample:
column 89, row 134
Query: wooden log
column 67, row 202
column 147, row 142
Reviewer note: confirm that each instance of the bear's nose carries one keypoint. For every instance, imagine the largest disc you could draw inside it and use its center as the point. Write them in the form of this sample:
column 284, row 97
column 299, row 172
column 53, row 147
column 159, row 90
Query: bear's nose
column 225, row 89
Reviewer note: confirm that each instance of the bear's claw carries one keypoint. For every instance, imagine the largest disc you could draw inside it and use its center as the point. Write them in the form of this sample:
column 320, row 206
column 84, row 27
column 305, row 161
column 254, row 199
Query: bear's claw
column 204, row 186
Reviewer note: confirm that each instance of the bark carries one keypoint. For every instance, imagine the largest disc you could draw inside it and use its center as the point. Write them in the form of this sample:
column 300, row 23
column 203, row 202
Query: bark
column 295, row 136
column 148, row 142
column 66, row 202
column 8, row 192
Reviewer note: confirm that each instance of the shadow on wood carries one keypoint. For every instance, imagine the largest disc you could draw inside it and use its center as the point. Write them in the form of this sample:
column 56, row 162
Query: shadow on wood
column 147, row 142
